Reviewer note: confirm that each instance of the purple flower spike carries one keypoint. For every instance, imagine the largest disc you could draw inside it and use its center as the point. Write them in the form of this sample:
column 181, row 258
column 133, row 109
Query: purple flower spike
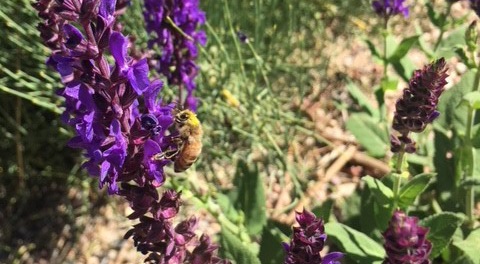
column 121, row 132
column 417, row 107
column 388, row 8
column 173, row 27
column 405, row 241
column 308, row 240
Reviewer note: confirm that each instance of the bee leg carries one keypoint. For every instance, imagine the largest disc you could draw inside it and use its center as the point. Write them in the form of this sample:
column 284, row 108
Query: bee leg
column 166, row 155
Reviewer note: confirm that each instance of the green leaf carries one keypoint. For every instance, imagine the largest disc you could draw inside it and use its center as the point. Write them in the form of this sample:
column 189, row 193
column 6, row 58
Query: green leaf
column 442, row 228
column 476, row 136
column 455, row 39
column 470, row 246
column 403, row 49
column 433, row 16
column 453, row 114
column 362, row 100
column 404, row 67
column 383, row 194
column 472, row 99
column 324, row 210
column 272, row 238
column 373, row 49
column 233, row 248
column 389, row 84
column 410, row 191
column 251, row 197
column 359, row 247
column 371, row 134
column 383, row 208
column 392, row 45
column 460, row 52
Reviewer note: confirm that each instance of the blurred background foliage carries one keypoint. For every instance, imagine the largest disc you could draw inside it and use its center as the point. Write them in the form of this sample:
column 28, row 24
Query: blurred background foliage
column 250, row 93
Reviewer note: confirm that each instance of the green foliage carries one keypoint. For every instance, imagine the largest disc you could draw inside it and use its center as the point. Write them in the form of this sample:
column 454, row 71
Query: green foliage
column 472, row 99
column 363, row 101
column 272, row 238
column 442, row 228
column 360, row 247
column 383, row 194
column 453, row 115
column 23, row 72
column 470, row 247
column 384, row 201
column 454, row 40
column 373, row 136
column 251, row 197
column 233, row 248
column 410, row 191
column 402, row 49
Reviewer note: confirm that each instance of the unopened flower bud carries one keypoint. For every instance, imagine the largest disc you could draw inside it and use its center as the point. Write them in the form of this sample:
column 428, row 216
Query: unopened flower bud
column 471, row 36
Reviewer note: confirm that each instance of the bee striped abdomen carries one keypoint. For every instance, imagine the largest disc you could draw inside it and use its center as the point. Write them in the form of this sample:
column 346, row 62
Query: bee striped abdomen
column 187, row 156
column 190, row 135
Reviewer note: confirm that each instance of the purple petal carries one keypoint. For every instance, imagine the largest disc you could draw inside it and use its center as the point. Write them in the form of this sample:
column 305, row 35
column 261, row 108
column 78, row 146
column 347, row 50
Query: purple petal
column 74, row 36
column 331, row 257
column 107, row 9
column 118, row 48
column 115, row 128
column 138, row 76
column 104, row 168
column 150, row 148
column 151, row 94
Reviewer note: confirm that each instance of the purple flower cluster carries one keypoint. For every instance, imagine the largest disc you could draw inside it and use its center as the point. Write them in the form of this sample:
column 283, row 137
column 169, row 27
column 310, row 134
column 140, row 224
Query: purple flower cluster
column 388, row 8
column 307, row 242
column 172, row 25
column 101, row 100
column 405, row 241
column 119, row 121
column 156, row 234
column 417, row 107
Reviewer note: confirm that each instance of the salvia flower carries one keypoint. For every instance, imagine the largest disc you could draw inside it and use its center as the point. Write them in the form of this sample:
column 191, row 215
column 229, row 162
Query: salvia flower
column 388, row 8
column 418, row 106
column 172, row 25
column 307, row 242
column 405, row 241
column 118, row 121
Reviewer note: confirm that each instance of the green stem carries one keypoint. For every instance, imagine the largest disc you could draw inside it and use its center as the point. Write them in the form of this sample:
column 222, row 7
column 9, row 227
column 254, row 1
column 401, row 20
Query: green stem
column 468, row 168
column 398, row 173
column 477, row 80
column 385, row 59
column 178, row 29
column 235, row 39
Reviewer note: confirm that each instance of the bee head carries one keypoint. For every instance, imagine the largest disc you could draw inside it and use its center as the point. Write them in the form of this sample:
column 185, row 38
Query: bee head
column 187, row 117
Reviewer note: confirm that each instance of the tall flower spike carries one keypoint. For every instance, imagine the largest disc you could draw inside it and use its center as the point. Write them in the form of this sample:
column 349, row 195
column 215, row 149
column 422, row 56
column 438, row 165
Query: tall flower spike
column 120, row 135
column 388, row 8
column 173, row 28
column 307, row 242
column 405, row 241
column 417, row 107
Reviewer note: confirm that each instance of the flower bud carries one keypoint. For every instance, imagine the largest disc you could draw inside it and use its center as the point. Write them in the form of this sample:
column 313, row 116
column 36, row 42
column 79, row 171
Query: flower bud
column 471, row 36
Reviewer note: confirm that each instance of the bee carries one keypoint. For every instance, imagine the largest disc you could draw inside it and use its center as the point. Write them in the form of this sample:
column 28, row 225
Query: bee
column 189, row 139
